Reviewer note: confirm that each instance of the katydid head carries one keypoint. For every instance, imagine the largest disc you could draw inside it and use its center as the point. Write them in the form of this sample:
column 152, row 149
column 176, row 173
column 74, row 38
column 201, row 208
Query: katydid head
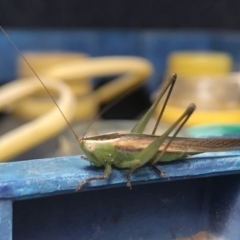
column 100, row 149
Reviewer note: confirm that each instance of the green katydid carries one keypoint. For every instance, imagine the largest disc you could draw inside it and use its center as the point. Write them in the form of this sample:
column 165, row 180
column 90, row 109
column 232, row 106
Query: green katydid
column 135, row 149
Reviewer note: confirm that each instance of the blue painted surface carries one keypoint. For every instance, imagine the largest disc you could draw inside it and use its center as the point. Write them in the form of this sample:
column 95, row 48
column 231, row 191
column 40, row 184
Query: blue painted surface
column 33, row 178
column 153, row 45
column 156, row 208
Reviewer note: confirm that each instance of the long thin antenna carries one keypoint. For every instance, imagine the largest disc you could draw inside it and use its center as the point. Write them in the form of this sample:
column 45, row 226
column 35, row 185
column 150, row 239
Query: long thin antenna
column 25, row 60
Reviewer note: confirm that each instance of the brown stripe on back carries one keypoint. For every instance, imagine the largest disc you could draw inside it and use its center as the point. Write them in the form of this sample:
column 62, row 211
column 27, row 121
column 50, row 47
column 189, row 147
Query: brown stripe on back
column 137, row 142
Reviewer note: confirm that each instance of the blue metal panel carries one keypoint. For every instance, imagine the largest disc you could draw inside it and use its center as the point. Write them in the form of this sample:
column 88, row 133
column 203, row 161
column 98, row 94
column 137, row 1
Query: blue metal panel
column 152, row 211
column 224, row 206
column 149, row 211
column 5, row 219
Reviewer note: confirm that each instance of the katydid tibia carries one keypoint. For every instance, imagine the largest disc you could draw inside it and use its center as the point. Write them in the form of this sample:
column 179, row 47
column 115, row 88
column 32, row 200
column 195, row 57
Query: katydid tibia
column 135, row 149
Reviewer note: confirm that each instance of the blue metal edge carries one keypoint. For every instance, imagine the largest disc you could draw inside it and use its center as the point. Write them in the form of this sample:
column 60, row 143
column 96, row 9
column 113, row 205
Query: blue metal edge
column 41, row 177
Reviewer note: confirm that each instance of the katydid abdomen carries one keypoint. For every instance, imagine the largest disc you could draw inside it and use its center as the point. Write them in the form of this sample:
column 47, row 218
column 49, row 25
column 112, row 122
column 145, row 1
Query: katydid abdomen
column 119, row 148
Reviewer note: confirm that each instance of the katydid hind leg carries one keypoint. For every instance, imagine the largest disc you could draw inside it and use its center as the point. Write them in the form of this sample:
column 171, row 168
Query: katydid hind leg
column 151, row 150
column 105, row 175
column 141, row 125
column 172, row 81
column 183, row 119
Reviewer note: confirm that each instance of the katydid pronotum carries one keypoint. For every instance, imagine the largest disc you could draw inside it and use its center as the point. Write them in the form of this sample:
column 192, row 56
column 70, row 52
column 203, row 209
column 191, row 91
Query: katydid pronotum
column 135, row 149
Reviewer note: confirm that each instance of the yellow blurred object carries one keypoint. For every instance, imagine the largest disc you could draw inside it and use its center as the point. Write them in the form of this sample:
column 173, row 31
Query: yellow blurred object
column 203, row 78
column 197, row 64
column 30, row 134
column 209, row 93
column 77, row 70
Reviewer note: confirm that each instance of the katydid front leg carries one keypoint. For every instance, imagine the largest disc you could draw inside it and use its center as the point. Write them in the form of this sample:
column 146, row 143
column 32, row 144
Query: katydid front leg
column 150, row 152
column 105, row 175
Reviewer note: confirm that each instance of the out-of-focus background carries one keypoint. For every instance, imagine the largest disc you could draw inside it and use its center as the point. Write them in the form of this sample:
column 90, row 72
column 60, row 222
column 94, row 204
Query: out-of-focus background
column 134, row 41
column 89, row 53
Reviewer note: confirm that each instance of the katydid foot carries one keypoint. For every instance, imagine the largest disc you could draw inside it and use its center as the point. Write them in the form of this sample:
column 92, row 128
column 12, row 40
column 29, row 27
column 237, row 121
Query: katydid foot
column 79, row 186
column 158, row 170
column 105, row 175
column 128, row 174
column 128, row 179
